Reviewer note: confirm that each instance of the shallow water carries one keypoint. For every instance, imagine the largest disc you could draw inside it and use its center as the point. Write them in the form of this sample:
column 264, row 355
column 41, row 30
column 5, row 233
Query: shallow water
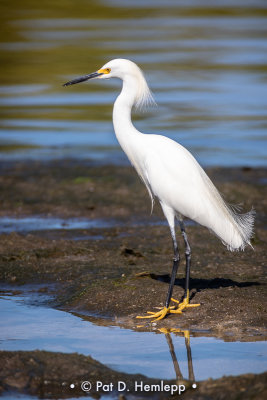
column 35, row 223
column 206, row 65
column 28, row 324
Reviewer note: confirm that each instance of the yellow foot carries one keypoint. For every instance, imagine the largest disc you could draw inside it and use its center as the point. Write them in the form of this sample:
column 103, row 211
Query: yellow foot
column 170, row 310
column 157, row 315
column 183, row 305
column 161, row 313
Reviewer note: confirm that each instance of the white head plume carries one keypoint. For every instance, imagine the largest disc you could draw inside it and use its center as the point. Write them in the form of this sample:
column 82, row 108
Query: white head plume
column 126, row 70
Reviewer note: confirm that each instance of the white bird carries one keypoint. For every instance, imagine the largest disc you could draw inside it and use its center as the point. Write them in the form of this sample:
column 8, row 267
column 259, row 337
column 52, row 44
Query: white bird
column 172, row 175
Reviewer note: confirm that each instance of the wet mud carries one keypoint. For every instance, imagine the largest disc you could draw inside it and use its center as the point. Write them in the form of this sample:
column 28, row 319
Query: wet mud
column 114, row 274
column 54, row 375
column 126, row 272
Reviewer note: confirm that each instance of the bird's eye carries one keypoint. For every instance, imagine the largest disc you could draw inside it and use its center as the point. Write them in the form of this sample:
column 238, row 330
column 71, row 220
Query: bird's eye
column 107, row 70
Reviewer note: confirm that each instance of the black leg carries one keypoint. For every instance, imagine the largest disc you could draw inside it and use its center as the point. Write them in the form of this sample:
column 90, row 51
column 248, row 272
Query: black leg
column 187, row 258
column 176, row 260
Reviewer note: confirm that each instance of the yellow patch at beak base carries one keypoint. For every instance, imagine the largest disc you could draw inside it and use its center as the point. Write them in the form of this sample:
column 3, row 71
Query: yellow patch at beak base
column 104, row 71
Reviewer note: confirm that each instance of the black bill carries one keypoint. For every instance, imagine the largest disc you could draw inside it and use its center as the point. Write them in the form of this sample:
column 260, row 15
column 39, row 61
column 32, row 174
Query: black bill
column 83, row 78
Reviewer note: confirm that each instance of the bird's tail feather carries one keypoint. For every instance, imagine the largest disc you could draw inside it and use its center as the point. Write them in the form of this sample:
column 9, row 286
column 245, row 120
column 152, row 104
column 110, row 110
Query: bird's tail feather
column 234, row 229
column 244, row 224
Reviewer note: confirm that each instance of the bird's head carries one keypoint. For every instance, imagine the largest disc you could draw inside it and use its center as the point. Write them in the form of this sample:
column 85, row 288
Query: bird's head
column 118, row 68
column 125, row 70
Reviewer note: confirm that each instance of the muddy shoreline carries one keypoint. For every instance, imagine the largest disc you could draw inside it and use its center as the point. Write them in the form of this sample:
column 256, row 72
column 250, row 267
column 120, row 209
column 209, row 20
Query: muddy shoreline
column 112, row 274
column 58, row 375
column 126, row 272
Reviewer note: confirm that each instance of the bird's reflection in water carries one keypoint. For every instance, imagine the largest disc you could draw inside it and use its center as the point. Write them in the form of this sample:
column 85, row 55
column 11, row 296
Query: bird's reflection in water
column 179, row 376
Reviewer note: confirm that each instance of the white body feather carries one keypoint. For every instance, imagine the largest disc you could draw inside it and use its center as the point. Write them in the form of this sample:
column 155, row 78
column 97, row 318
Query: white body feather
column 169, row 171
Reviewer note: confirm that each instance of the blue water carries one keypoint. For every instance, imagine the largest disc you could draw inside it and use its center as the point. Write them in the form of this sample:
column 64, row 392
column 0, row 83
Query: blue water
column 35, row 223
column 27, row 324
column 206, row 67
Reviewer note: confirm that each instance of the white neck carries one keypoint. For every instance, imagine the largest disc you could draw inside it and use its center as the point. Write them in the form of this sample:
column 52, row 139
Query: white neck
column 133, row 142
column 122, row 122
column 123, row 106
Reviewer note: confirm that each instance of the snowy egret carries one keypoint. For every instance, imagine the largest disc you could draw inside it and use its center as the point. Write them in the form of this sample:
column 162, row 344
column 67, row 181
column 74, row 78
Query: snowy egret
column 172, row 176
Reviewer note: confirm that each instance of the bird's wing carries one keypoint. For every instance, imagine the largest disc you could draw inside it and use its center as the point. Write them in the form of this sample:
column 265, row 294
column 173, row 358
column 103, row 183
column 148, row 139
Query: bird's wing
column 179, row 182
column 174, row 176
